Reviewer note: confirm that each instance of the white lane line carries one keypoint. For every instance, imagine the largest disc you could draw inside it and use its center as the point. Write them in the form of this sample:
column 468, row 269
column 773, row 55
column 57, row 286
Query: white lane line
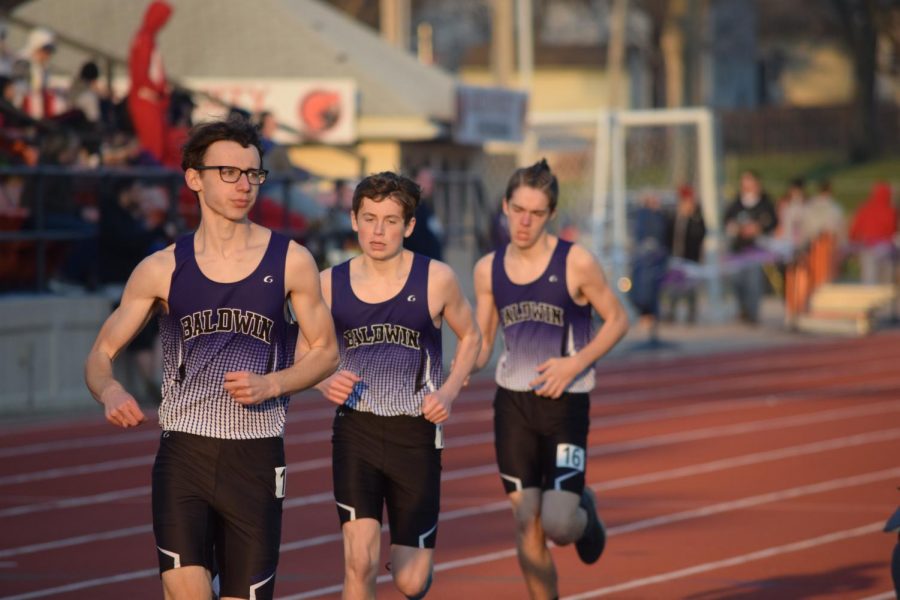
column 484, row 438
column 503, row 505
column 83, row 585
column 705, row 433
column 705, row 511
column 16, row 511
column 751, row 501
column 869, row 361
column 889, row 595
column 754, row 458
column 734, row 561
column 482, row 558
column 594, row 451
column 76, row 540
column 805, row 382
column 132, row 437
column 86, row 469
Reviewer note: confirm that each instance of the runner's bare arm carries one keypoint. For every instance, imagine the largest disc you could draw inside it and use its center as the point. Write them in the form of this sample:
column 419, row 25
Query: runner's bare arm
column 147, row 286
column 457, row 312
column 337, row 386
column 587, row 278
column 485, row 311
column 319, row 356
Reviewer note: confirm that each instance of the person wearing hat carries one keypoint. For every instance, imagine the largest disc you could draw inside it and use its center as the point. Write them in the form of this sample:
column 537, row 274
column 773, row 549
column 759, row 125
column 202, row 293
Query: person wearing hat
column 37, row 53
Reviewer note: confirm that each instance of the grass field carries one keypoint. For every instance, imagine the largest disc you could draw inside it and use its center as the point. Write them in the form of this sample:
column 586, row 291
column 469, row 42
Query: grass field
column 850, row 183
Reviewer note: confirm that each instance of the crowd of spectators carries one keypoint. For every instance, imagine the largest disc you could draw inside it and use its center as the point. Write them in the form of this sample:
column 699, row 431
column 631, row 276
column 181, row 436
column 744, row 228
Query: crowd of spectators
column 79, row 158
column 67, row 150
column 764, row 238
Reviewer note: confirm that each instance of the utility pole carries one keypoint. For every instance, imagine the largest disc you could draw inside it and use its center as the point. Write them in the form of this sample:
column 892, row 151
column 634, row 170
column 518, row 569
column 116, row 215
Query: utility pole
column 502, row 42
column 395, row 17
column 615, row 53
column 525, row 37
column 672, row 45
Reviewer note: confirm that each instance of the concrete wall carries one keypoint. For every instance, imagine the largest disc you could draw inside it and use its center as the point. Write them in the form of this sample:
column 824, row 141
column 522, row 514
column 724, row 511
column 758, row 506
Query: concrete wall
column 44, row 341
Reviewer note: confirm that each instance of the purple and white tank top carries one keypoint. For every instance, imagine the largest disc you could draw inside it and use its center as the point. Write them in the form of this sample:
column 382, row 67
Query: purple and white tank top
column 539, row 320
column 213, row 328
column 393, row 345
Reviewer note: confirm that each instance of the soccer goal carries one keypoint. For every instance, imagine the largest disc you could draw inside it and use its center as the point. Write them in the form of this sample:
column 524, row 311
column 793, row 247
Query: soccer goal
column 610, row 163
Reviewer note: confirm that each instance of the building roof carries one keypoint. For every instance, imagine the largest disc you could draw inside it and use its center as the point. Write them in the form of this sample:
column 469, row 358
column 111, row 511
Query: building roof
column 263, row 38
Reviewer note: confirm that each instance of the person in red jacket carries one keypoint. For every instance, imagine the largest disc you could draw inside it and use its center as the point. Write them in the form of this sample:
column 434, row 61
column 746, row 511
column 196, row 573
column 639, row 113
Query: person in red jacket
column 873, row 228
column 148, row 98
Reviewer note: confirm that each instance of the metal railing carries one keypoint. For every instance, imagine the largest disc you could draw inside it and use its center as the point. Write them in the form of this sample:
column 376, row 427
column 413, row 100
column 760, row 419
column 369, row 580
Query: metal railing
column 31, row 232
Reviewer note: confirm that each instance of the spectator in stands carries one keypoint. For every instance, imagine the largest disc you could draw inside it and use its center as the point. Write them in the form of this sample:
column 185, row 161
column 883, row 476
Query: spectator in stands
column 15, row 146
column 824, row 215
column 52, row 200
column 148, row 98
column 85, row 99
column 85, row 94
column 275, row 155
column 35, row 57
column 649, row 266
column 685, row 233
column 130, row 230
column 791, row 213
column 749, row 217
column 872, row 231
column 180, row 119
column 425, row 237
column 6, row 57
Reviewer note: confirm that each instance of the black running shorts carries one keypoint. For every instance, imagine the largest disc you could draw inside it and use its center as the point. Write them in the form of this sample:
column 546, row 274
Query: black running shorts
column 392, row 461
column 541, row 442
column 217, row 504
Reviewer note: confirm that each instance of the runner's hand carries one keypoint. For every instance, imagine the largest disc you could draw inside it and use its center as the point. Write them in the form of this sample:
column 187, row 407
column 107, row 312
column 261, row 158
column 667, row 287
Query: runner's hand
column 436, row 407
column 249, row 388
column 338, row 387
column 555, row 375
column 121, row 408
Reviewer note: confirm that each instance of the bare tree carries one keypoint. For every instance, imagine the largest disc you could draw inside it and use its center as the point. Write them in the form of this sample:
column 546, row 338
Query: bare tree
column 863, row 21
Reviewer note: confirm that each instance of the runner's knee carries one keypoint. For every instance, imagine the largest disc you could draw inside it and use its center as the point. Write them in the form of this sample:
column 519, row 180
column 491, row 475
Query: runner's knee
column 413, row 585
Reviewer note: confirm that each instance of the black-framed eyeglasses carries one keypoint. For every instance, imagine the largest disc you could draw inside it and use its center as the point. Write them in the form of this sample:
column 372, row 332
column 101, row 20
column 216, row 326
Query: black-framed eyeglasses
column 233, row 174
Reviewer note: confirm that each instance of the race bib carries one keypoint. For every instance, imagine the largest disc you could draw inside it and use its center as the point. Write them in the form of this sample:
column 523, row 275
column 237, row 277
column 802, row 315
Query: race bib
column 439, row 437
column 280, row 477
column 569, row 456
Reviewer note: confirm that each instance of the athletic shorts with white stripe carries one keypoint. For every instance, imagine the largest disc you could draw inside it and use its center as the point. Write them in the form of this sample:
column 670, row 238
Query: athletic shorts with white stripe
column 217, row 504
column 388, row 461
column 541, row 442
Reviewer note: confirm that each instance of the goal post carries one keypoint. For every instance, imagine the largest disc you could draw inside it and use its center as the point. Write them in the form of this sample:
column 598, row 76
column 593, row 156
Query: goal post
column 613, row 158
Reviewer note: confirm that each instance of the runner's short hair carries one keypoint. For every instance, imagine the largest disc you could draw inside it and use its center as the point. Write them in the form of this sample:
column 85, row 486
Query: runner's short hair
column 387, row 184
column 233, row 129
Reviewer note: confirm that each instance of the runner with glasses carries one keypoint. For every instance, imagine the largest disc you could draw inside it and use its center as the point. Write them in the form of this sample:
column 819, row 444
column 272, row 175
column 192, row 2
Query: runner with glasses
column 229, row 370
column 232, row 174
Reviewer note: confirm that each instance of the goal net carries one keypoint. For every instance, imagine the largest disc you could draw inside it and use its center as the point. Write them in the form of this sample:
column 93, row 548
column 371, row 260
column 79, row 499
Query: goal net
column 611, row 164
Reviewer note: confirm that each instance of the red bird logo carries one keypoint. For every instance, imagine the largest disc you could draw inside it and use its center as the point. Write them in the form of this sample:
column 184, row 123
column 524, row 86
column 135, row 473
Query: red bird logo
column 320, row 110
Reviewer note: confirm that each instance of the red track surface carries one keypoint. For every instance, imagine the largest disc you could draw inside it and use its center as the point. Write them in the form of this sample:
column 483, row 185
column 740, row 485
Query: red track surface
column 763, row 474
